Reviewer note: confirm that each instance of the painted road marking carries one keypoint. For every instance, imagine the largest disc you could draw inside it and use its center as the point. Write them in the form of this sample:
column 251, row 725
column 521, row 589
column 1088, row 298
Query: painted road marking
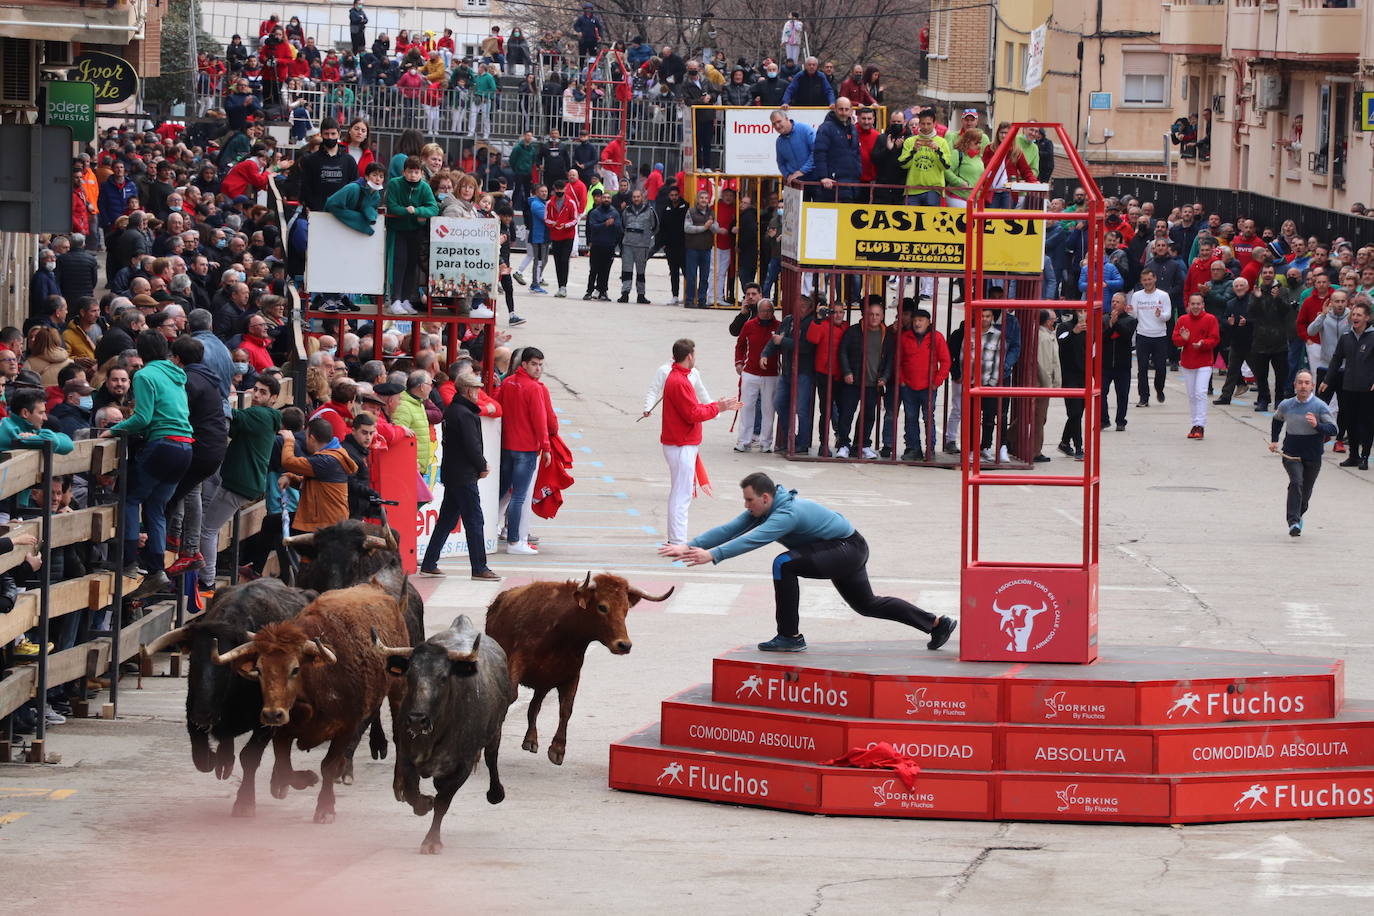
column 10, row 817
column 1303, row 619
column 31, row 792
column 714, row 599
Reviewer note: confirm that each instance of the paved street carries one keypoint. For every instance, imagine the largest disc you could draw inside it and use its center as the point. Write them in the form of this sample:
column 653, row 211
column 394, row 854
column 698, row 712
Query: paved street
column 1194, row 553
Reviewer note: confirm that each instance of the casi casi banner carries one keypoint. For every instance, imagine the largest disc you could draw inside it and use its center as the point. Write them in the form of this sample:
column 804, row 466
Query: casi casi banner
column 464, row 257
column 114, row 78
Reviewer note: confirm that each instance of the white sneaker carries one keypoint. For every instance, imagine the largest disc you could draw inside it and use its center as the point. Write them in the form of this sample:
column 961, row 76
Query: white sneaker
column 764, row 447
column 842, row 452
column 675, row 301
column 522, row 548
column 869, row 453
column 989, row 455
column 482, row 313
column 395, row 308
column 53, row 717
column 1003, row 454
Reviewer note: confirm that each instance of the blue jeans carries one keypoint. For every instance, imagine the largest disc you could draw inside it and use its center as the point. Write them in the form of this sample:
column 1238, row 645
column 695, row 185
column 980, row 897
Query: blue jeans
column 157, row 472
column 806, row 395
column 915, row 401
column 771, row 276
column 1297, row 359
column 460, row 501
column 1001, row 200
column 517, row 473
column 781, row 399
column 697, row 276
column 924, row 199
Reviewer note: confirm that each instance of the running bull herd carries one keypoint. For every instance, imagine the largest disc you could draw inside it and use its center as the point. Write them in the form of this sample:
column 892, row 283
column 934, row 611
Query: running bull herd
column 312, row 664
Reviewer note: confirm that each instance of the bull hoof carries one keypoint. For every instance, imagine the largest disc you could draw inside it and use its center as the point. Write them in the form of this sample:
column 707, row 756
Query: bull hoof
column 245, row 809
column 431, row 848
column 279, row 789
column 556, row 753
column 422, row 805
column 200, row 756
column 302, row 779
column 496, row 795
column 324, row 817
column 346, row 776
column 531, row 745
column 224, row 770
column 379, row 751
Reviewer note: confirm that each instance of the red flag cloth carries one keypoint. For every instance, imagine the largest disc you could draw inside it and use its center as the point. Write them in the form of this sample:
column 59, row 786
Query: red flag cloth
column 552, row 480
column 701, row 484
column 881, row 756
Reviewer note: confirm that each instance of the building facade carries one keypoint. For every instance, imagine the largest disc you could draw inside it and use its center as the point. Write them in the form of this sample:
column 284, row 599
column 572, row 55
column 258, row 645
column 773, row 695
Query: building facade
column 1276, row 87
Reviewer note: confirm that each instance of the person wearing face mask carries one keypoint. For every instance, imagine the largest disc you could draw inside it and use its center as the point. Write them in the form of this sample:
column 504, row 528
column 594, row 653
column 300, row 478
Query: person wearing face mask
column 355, row 204
column 73, row 414
column 44, row 281
column 326, row 170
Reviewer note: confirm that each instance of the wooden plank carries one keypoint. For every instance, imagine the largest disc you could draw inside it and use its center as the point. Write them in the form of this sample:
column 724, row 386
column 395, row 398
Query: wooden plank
column 95, row 524
column 91, row 456
column 12, row 559
column 20, row 471
column 88, row 592
column 250, row 523
column 17, row 688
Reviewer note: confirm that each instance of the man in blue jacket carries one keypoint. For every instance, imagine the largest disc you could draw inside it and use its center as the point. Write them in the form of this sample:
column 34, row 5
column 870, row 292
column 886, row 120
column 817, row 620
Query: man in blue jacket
column 835, row 154
column 794, row 145
column 821, row 543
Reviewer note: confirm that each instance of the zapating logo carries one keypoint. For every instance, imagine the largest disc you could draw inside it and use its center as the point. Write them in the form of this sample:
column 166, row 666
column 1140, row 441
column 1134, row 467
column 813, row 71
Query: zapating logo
column 1255, row 796
column 750, row 686
column 442, row 231
column 1065, row 795
column 1184, row 705
column 672, row 772
column 1019, row 604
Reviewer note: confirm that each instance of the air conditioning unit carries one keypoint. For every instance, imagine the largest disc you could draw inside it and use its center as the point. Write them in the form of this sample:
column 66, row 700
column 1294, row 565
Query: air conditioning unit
column 57, row 53
column 18, row 73
column 1269, row 94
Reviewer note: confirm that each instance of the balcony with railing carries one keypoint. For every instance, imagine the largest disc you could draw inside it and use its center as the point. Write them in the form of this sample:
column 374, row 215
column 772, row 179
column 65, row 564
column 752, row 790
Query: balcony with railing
column 1298, row 29
column 106, row 22
column 1193, row 26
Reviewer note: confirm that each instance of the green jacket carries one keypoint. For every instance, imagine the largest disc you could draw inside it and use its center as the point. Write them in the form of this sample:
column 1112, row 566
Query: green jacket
column 410, row 413
column 484, row 87
column 1030, row 150
column 591, row 195
column 963, row 172
column 237, row 147
column 160, row 408
column 355, row 205
column 13, row 426
column 401, row 194
column 925, row 165
column 522, row 158
column 252, row 435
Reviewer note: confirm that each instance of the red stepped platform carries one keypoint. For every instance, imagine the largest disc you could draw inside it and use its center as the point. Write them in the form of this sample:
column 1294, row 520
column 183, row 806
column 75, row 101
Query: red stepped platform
column 1145, row 735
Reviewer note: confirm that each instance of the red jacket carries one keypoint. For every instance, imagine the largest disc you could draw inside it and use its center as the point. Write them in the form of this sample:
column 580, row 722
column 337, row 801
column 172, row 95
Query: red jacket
column 1311, row 307
column 578, row 191
column 826, row 336
column 338, row 416
column 683, row 414
column 753, row 337
column 1199, row 275
column 561, row 218
column 81, row 216
column 245, row 179
column 915, row 359
column 1202, row 329
column 652, row 184
column 256, row 348
column 1244, row 249
column 527, row 413
column 856, row 92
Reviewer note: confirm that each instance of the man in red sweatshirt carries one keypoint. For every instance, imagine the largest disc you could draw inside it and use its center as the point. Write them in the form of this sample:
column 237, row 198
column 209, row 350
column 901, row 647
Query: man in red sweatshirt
column 1197, row 334
column 683, row 415
column 1312, row 306
column 1200, row 271
column 758, row 378
column 527, row 421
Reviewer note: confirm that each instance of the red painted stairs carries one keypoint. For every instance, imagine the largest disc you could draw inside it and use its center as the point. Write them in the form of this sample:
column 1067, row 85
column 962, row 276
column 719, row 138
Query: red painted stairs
column 1144, row 735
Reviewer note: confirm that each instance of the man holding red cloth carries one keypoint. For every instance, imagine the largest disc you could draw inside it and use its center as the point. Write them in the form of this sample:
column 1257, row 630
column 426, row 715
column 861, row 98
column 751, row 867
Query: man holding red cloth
column 683, row 415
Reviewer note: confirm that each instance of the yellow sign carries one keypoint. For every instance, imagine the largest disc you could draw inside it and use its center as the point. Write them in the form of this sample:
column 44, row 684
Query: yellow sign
column 913, row 238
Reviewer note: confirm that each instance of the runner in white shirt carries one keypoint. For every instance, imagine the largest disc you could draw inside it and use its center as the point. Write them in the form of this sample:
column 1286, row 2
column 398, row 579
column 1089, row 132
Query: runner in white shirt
column 1152, row 310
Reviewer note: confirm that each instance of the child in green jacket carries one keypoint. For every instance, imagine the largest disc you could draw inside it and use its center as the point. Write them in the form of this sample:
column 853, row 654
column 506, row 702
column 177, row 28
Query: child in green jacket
column 355, row 204
column 410, row 205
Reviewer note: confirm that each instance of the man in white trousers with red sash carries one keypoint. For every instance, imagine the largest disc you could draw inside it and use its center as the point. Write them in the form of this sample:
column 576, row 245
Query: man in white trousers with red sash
column 683, row 415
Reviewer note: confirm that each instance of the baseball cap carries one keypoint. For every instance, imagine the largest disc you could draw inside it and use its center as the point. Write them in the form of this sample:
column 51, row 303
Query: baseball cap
column 970, row 111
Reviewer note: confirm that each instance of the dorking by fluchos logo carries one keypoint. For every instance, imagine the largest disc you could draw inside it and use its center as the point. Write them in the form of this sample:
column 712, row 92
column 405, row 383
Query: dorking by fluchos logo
column 892, row 793
column 1028, row 614
column 1057, row 707
column 933, row 219
column 1070, row 799
column 918, row 704
column 711, row 779
column 1303, row 798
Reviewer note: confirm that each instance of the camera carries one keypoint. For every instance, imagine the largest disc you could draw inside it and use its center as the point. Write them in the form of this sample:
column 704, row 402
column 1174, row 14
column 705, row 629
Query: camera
column 375, row 501
column 823, row 312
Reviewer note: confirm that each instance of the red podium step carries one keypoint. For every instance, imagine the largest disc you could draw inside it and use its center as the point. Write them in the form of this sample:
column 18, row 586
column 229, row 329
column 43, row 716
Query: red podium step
column 1145, row 735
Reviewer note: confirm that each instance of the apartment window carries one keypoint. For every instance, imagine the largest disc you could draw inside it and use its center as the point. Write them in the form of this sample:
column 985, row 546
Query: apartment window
column 476, row 4
column 1145, row 78
column 1008, row 63
column 1022, row 62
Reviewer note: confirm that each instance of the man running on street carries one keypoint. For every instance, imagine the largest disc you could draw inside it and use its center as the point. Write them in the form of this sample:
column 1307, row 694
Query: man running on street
column 821, row 543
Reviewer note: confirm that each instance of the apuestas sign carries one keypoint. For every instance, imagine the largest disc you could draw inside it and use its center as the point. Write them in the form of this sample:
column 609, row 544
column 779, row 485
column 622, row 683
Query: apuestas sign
column 912, row 238
column 114, row 78
column 71, row 104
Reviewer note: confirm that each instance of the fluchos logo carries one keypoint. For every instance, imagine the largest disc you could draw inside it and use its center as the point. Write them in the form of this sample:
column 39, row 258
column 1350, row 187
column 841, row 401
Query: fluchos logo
column 1071, row 799
column 1233, row 702
column 918, row 705
column 1029, row 614
column 1292, row 795
column 749, row 687
column 1056, row 707
column 1185, row 705
column 888, row 792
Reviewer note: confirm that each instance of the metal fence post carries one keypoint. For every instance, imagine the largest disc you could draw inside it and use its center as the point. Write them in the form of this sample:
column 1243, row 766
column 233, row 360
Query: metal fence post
column 37, row 754
column 117, row 600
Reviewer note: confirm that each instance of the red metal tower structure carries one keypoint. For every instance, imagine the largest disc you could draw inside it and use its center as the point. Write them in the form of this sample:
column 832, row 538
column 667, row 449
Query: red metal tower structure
column 1031, row 611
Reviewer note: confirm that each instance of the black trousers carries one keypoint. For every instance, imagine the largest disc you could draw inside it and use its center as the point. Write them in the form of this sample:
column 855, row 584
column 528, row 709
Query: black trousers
column 1073, row 423
column 1302, row 477
column 358, row 39
column 1151, row 352
column 1358, row 409
column 1118, row 377
column 677, row 258
column 844, row 562
column 508, row 287
column 1239, row 356
column 1260, row 363
column 405, row 262
column 562, row 252
column 460, row 501
column 602, row 258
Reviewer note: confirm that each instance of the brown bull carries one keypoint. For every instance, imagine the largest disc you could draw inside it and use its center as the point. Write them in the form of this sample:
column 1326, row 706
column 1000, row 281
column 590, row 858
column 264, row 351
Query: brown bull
column 545, row 628
column 322, row 681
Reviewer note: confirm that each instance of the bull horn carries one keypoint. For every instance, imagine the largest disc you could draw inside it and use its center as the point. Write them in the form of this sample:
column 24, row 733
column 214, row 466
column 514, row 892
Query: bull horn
column 300, row 540
column 233, row 654
column 455, row 656
column 166, row 640
column 637, row 595
column 391, row 541
column 372, row 542
column 587, row 582
column 389, row 651
column 322, row 649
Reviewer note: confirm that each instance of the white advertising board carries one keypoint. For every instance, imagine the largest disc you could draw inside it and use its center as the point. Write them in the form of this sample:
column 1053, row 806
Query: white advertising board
column 343, row 260
column 750, row 143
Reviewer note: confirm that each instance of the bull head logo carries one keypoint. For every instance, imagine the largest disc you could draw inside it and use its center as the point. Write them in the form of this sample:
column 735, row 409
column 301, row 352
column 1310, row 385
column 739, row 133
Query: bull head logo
column 1017, row 623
